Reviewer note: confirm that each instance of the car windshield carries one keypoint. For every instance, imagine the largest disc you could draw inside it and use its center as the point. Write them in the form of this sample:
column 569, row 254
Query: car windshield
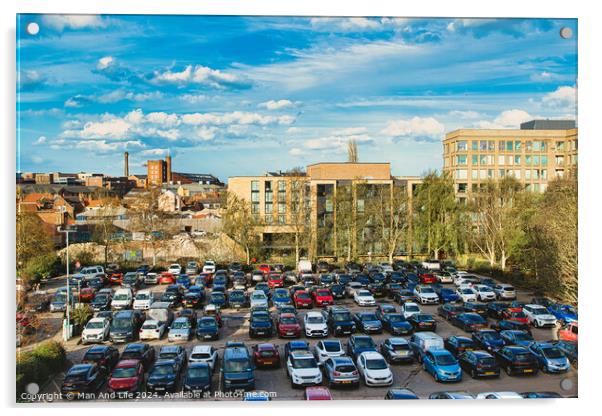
column 237, row 296
column 258, row 295
column 75, row 378
column 309, row 362
column 522, row 356
column 180, row 325
column 266, row 353
column 491, row 336
column 150, row 326
column 315, row 319
column 427, row 290
column 261, row 317
column 121, row 296
column 342, row 316
column 400, row 347
column 396, row 318
column 60, row 297
column 376, row 364
column 523, row 336
column 162, row 370
column 368, row 317
column 552, row 352
column 364, row 293
column 303, row 295
column 142, row 296
column 101, row 298
column 237, row 366
column 466, row 291
column 95, row 325
column 124, row 372
column 323, row 293
column 474, row 319
column 540, row 311
column 206, row 322
column 198, row 372
column 445, row 359
column 412, row 308
column 122, row 323
column 518, row 315
column 364, row 342
column 167, row 355
column 570, row 310
column 332, row 346
column 288, row 320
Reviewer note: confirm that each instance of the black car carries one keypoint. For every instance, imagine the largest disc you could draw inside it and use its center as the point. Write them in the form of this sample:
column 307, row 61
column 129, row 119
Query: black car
column 192, row 300
column 104, row 356
column 238, row 299
column 517, row 360
column 101, row 302
column 39, row 302
column 173, row 352
column 197, row 378
column 496, row 310
column 139, row 351
column 397, row 350
column 384, row 308
column 474, row 307
column 397, row 324
column 458, row 345
column 83, row 380
column 125, row 326
column 172, row 295
column 479, row 364
column 337, row 290
column 469, row 321
column 164, row 376
column 401, row 394
column 339, row 321
column 423, row 322
column 569, row 348
column 260, row 324
column 449, row 310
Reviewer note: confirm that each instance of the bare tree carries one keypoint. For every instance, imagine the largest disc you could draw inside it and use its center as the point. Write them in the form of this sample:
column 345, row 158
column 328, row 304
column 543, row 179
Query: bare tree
column 104, row 228
column 240, row 224
column 352, row 155
column 299, row 217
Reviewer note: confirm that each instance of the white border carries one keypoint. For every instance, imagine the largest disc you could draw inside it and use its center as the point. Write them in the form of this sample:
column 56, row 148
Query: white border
column 590, row 153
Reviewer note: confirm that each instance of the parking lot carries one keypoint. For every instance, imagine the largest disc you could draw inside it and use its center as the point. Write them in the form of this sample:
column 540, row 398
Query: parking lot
column 412, row 376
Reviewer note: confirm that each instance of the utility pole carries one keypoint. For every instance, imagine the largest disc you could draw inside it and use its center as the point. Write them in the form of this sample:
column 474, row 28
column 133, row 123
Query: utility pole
column 67, row 331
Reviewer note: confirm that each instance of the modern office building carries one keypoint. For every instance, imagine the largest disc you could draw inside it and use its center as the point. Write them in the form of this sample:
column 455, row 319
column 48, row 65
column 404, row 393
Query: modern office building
column 534, row 154
column 286, row 201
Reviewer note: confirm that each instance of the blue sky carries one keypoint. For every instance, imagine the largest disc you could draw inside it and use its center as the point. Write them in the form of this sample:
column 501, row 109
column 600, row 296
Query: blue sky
column 243, row 95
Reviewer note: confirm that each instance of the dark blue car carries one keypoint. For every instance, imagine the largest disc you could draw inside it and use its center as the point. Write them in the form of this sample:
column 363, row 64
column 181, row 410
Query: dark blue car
column 488, row 339
column 447, row 295
column 368, row 322
column 396, row 324
column 163, row 377
column 218, row 299
column 563, row 313
column 183, row 280
column 207, row 328
column 358, row 344
column 260, row 324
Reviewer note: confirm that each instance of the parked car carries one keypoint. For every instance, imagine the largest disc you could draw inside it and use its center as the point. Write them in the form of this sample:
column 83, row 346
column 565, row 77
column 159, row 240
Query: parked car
column 451, row 395
column 367, row 322
column 565, row 314
column 204, row 354
column 448, row 311
column 103, row 356
column 423, row 322
column 287, row 325
column 339, row 321
column 141, row 352
column 82, row 379
column 479, row 364
column 152, row 329
column 517, row 316
column 317, row 393
column 469, row 321
column 396, row 324
column 499, row 395
column 504, row 325
column 541, row 395
column 315, row 325
column 197, row 377
column 421, row 342
column 302, row 299
column 127, row 377
column 101, row 302
column 396, row 350
column 167, row 278
column 458, row 345
column 569, row 332
column 207, row 327
column 496, row 310
column 151, row 279
column 292, row 346
column 180, row 330
column 328, row 349
column 96, row 330
column 374, row 369
column 442, row 365
column 467, row 294
column 322, row 297
column 517, row 337
column 275, row 280
column 474, row 307
column 164, row 376
column 125, row 326
column 484, row 293
column 122, row 299
column 551, row 358
column 174, row 269
column 447, row 295
column 364, row 297
column 237, row 370
column 192, row 267
column 409, row 308
column 303, row 370
column 358, row 344
column 266, row 355
column 539, row 316
column 504, row 291
column 260, row 324
column 400, row 394
column 341, row 371
column 515, row 359
column 569, row 348
column 143, row 300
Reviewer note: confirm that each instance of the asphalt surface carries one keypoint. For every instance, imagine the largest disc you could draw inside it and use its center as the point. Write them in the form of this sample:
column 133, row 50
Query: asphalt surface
column 411, row 376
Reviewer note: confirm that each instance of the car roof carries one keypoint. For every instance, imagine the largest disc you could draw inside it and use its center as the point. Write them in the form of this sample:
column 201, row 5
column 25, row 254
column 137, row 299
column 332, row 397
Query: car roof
column 298, row 344
column 201, row 348
column 134, row 346
column 98, row 348
column 371, row 354
column 80, row 368
column 301, row 354
column 127, row 363
column 266, row 346
column 398, row 341
column 169, row 348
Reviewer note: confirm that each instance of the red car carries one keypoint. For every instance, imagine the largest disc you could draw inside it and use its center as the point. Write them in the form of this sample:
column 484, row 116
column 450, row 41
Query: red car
column 116, row 278
column 87, row 294
column 275, row 280
column 317, row 393
column 265, row 268
column 322, row 297
column 127, row 376
column 266, row 355
column 302, row 299
column 516, row 316
column 569, row 332
column 205, row 277
column 427, row 278
column 167, row 278
column 288, row 326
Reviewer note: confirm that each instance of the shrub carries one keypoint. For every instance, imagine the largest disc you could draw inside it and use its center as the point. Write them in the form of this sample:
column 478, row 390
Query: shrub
column 81, row 315
column 39, row 364
column 42, row 267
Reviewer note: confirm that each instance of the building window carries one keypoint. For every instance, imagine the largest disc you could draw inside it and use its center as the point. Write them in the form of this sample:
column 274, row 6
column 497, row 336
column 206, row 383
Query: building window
column 461, row 145
column 517, row 160
column 543, row 174
column 462, row 187
column 483, row 145
column 483, row 173
column 509, row 145
column 559, row 173
column 269, row 197
column 535, row 187
column 461, row 174
column 528, row 174
column 501, row 160
column 474, row 174
column 509, row 160
column 281, row 186
column 360, row 205
column 281, row 219
column 492, row 145
column 483, row 160
column 269, row 208
column 536, row 146
column 461, row 160
column 475, row 160
column 501, row 145
column 535, row 174
column 254, row 186
column 269, row 219
column 560, row 146
column 543, row 146
column 544, row 160
column 281, row 208
column 535, row 160
column 529, row 146
column 517, row 145
column 528, row 160
column 255, row 208
column 475, row 145
column 255, row 197
column 517, row 173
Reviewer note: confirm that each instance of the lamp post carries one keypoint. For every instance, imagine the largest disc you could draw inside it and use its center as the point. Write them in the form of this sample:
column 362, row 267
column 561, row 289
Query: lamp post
column 67, row 332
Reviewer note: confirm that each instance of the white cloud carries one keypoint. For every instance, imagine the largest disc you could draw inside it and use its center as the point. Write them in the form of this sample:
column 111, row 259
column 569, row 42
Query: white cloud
column 121, row 95
column 349, row 131
column 206, row 133
column 276, row 105
column 135, row 116
column 115, row 128
column 198, row 74
column 237, row 129
column 193, row 98
column 155, row 152
column 509, row 119
column 355, row 24
column 41, row 140
column 102, row 146
column 295, row 151
column 465, row 115
column 236, row 117
column 64, row 21
column 163, row 119
column 105, row 62
column 565, row 96
column 417, row 127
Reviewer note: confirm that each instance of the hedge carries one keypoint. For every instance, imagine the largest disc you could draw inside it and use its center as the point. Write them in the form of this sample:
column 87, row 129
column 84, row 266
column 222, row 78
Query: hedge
column 39, row 364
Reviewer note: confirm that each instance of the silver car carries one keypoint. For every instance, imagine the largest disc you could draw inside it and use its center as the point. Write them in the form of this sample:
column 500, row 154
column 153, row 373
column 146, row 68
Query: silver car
column 341, row 371
column 180, row 330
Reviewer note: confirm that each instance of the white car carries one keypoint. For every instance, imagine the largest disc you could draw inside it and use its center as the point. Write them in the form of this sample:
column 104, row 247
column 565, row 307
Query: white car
column 500, row 395
column 122, row 299
column 467, row 294
column 466, row 279
column 484, row 293
column 175, row 269
column 96, row 330
column 363, row 297
column 539, row 316
column 152, row 329
column 373, row 368
column 151, row 278
column 303, row 369
column 204, row 354
column 426, row 295
column 192, row 267
column 209, row 266
column 315, row 325
column 327, row 349
column 444, row 277
column 143, row 300
column 386, row 267
column 351, row 288
column 258, row 299
column 505, row 291
column 410, row 308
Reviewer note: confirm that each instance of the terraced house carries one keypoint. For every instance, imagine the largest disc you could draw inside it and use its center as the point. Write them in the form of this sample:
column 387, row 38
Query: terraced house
column 534, row 154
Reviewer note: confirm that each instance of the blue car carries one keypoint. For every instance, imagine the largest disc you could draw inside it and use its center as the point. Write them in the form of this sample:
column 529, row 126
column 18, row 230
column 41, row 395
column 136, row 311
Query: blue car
column 517, row 337
column 396, row 324
column 367, row 322
column 218, row 299
column 358, row 344
column 442, row 365
column 197, row 289
column 563, row 313
column 207, row 327
column 183, row 280
column 447, row 295
column 281, row 297
column 488, row 339
column 144, row 269
column 551, row 359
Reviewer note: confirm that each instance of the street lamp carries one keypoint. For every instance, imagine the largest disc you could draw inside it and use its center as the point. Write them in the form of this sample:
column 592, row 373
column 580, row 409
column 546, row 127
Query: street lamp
column 67, row 333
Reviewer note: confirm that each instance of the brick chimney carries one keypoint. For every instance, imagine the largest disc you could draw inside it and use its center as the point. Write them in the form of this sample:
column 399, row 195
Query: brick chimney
column 168, row 167
column 126, row 164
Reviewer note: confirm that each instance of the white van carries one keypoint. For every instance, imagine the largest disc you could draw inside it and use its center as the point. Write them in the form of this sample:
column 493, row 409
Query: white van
column 304, row 266
column 122, row 299
column 143, row 300
column 432, row 264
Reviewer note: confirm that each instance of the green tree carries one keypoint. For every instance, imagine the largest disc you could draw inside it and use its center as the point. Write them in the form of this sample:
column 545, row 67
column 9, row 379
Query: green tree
column 104, row 228
column 32, row 239
column 437, row 215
